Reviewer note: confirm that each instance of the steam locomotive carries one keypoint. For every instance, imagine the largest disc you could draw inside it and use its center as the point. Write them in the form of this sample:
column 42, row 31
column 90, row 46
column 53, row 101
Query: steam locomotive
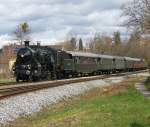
column 35, row 62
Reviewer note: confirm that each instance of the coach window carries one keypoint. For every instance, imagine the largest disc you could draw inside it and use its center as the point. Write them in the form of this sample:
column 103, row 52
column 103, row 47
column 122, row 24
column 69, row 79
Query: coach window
column 70, row 56
column 77, row 59
column 96, row 60
column 113, row 61
column 99, row 60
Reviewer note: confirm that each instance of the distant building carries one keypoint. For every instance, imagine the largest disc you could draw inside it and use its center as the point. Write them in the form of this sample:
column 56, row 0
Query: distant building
column 7, row 56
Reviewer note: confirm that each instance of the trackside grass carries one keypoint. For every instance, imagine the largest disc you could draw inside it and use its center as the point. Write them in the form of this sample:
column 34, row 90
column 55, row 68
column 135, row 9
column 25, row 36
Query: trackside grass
column 147, row 83
column 115, row 106
column 4, row 81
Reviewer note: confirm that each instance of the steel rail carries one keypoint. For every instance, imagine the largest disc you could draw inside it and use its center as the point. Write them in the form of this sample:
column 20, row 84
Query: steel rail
column 12, row 90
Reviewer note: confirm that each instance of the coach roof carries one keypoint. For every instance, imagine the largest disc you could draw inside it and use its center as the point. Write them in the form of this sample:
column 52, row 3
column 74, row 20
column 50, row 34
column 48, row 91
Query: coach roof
column 132, row 59
column 87, row 54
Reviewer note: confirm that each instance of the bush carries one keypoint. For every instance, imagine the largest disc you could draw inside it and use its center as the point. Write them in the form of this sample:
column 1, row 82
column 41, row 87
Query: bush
column 6, row 76
column 147, row 83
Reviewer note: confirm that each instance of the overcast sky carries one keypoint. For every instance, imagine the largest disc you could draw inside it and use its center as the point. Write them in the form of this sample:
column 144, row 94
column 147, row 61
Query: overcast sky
column 52, row 20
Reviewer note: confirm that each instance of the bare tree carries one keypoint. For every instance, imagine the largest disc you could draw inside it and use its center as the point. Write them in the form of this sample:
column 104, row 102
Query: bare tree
column 22, row 32
column 138, row 15
column 138, row 18
column 70, row 45
column 133, row 45
column 67, row 46
column 100, row 44
column 73, row 42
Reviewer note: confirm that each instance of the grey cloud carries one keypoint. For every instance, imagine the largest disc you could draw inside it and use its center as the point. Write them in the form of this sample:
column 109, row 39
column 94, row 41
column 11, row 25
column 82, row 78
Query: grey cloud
column 53, row 19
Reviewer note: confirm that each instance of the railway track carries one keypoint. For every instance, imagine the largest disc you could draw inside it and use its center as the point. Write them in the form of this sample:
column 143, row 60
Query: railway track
column 12, row 90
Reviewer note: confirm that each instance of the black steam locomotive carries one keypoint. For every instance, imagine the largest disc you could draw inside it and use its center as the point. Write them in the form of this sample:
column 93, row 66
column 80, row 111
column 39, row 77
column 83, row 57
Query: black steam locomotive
column 35, row 62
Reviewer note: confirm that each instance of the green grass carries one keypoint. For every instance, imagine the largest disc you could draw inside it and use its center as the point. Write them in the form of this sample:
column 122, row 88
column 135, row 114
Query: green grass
column 4, row 81
column 125, row 107
column 147, row 83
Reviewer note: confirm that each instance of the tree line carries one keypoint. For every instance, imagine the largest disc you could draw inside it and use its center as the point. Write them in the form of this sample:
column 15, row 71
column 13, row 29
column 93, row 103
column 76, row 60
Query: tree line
column 134, row 46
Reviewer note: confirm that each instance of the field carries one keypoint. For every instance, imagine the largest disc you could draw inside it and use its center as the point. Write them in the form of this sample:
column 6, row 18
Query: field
column 116, row 106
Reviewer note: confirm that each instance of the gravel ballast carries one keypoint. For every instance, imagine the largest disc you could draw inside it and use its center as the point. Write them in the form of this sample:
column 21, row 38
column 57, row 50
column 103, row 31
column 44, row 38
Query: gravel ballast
column 25, row 104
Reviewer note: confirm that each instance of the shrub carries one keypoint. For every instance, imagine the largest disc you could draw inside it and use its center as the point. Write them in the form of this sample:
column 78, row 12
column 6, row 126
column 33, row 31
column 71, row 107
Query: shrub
column 147, row 83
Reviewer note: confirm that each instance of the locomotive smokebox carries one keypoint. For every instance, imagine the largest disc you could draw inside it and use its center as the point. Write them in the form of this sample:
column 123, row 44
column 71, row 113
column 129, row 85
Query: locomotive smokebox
column 26, row 43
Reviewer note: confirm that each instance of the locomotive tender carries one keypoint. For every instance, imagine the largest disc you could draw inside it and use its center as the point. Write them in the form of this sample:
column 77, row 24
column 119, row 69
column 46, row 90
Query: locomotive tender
column 35, row 62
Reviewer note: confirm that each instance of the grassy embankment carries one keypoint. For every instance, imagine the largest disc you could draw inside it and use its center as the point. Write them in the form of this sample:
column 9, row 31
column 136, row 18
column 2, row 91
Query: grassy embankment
column 4, row 80
column 147, row 83
column 118, row 106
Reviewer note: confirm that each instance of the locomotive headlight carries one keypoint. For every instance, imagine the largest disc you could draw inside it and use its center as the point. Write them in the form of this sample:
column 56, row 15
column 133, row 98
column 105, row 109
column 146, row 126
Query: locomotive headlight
column 29, row 67
column 35, row 71
column 22, row 56
column 27, row 72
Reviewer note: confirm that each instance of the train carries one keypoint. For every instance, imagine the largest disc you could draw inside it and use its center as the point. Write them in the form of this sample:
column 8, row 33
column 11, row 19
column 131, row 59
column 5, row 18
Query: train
column 36, row 62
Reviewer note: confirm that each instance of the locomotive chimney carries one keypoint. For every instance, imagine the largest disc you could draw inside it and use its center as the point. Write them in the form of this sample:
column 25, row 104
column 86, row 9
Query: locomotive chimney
column 26, row 43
